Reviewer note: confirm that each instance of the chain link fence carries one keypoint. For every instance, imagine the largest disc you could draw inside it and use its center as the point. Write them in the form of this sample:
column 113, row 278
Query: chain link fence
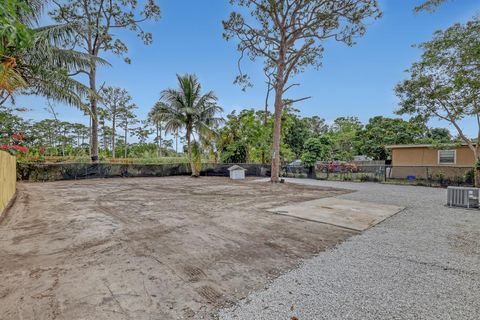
column 411, row 175
column 76, row 171
column 434, row 176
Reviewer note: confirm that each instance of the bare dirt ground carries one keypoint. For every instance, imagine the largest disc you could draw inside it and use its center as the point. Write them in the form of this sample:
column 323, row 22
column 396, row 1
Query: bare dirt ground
column 149, row 248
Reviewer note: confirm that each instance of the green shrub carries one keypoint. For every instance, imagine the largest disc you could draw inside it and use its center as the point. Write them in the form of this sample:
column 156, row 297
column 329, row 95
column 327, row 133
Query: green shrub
column 458, row 180
column 469, row 176
column 314, row 150
column 368, row 178
column 440, row 178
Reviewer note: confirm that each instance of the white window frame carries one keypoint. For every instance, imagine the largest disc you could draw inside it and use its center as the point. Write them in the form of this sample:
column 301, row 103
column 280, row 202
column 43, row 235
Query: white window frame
column 454, row 157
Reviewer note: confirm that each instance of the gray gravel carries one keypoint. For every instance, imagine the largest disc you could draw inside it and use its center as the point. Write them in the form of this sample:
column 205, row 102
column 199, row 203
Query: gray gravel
column 423, row 263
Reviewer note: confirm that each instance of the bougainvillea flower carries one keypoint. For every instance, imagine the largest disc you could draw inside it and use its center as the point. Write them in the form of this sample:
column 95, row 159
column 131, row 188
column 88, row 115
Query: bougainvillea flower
column 18, row 136
column 19, row 148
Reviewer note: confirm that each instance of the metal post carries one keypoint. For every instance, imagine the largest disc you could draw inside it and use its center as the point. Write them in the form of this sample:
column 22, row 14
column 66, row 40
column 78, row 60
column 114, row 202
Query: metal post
column 427, row 177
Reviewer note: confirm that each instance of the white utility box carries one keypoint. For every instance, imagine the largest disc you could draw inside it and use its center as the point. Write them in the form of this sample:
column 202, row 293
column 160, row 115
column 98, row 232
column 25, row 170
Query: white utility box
column 237, row 172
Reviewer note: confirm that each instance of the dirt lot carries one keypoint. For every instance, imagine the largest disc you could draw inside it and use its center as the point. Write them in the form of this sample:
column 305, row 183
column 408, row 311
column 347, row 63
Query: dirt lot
column 149, row 248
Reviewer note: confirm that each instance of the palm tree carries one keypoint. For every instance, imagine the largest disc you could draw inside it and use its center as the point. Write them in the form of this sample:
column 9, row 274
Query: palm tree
column 40, row 66
column 10, row 79
column 48, row 69
column 186, row 108
column 155, row 116
column 13, row 34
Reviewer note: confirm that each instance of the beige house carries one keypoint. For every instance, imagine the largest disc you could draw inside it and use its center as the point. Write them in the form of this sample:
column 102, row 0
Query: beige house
column 424, row 161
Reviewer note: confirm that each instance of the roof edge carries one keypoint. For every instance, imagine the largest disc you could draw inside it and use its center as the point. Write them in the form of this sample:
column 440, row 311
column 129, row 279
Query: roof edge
column 403, row 146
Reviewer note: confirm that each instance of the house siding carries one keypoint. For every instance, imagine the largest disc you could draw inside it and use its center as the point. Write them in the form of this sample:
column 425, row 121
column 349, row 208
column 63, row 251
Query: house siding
column 427, row 156
column 422, row 163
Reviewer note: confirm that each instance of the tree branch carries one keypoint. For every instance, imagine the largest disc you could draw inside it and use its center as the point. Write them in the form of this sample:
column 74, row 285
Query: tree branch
column 78, row 72
column 288, row 102
column 291, row 86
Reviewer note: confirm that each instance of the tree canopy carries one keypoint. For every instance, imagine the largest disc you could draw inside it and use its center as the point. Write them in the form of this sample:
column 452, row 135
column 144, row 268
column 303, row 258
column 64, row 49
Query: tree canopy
column 31, row 59
column 429, row 5
column 315, row 149
column 95, row 24
column 289, row 35
column 188, row 108
column 445, row 83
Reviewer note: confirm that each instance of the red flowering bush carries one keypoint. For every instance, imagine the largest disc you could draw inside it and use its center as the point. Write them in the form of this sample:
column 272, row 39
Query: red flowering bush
column 16, row 145
column 15, row 149
column 19, row 148
column 348, row 167
column 332, row 166
column 19, row 137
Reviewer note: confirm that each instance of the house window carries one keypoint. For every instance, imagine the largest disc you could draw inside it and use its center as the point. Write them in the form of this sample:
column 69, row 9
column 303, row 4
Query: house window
column 446, row 156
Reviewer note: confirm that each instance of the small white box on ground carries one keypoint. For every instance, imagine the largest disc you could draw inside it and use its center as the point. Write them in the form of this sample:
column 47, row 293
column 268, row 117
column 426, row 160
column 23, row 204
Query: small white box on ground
column 237, row 172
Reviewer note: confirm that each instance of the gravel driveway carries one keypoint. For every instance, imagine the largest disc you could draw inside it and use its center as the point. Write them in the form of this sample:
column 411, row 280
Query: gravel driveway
column 423, row 263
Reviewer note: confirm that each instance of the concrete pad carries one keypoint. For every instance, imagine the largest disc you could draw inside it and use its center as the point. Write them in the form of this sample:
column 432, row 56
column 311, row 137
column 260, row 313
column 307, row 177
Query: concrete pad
column 344, row 213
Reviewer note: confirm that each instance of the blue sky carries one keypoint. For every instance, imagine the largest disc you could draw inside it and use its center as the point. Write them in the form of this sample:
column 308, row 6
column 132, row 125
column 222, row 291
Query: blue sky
column 354, row 81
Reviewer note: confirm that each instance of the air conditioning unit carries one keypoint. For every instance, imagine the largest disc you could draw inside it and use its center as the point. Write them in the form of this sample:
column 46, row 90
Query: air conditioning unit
column 463, row 197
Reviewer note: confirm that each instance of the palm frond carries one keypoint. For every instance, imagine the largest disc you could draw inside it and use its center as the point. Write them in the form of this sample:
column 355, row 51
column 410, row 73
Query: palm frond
column 46, row 47
column 57, row 85
column 56, row 34
column 187, row 107
column 10, row 78
column 45, row 65
column 32, row 17
column 69, row 60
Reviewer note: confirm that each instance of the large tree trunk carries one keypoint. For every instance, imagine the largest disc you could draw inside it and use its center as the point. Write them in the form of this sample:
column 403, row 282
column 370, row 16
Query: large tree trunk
column 277, row 131
column 94, row 119
column 90, row 137
column 277, row 127
column 195, row 172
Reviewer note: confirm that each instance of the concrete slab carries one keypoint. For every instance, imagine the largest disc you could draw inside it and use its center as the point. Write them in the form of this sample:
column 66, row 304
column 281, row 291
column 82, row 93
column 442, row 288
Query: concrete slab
column 345, row 213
